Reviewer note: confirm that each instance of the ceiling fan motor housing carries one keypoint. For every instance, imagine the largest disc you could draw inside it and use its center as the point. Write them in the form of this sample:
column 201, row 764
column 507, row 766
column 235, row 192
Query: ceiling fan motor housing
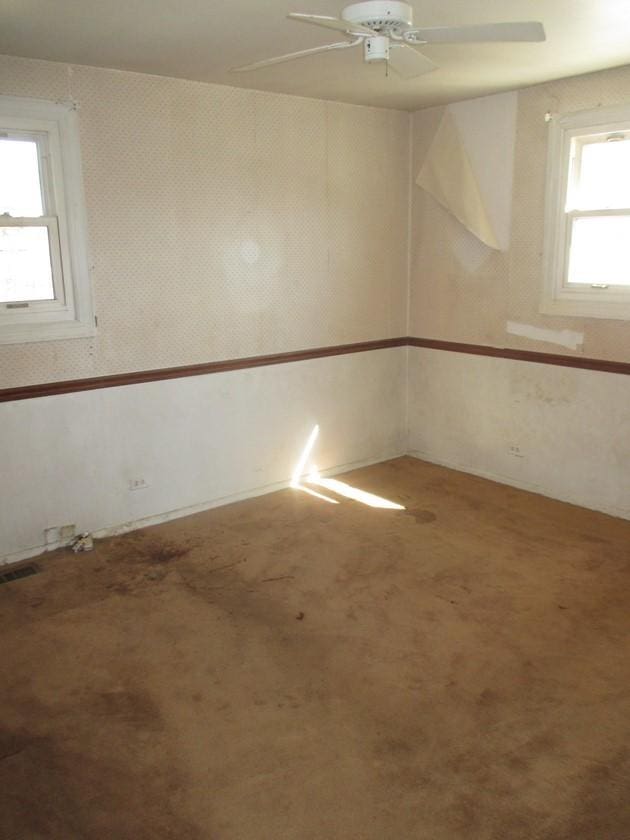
column 382, row 16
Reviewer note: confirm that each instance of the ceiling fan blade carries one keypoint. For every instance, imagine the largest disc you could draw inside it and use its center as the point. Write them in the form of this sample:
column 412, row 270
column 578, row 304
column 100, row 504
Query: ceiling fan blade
column 408, row 62
column 267, row 62
column 333, row 23
column 477, row 33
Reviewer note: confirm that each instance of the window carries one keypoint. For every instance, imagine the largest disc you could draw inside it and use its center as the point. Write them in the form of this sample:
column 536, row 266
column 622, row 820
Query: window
column 44, row 277
column 587, row 219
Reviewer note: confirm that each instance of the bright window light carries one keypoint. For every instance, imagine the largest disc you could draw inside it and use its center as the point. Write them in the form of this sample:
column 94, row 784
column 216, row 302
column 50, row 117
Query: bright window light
column 604, row 178
column 600, row 250
column 20, row 186
column 300, row 468
column 317, row 495
column 332, row 484
column 25, row 268
column 598, row 205
column 350, row 492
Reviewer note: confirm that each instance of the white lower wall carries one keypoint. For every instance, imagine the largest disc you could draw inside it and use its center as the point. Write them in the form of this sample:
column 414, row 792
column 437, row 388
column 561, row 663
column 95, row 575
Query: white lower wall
column 562, row 432
column 197, row 442
column 206, row 440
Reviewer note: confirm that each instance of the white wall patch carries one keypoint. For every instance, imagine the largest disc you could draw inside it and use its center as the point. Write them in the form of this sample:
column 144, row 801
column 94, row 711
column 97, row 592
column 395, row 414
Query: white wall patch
column 565, row 338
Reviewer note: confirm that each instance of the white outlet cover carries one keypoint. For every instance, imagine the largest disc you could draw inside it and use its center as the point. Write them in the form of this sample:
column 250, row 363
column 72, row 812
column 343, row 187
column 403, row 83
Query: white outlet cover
column 51, row 535
column 67, row 532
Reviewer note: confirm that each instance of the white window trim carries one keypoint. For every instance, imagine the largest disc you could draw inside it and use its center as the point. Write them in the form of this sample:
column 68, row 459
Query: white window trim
column 557, row 298
column 71, row 315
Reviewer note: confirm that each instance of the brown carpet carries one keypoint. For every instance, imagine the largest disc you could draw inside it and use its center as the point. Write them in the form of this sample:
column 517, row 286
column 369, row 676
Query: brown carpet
column 285, row 668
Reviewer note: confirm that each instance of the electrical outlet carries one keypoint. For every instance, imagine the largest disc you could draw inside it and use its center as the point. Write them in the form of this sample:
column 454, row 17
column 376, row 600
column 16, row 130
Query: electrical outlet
column 51, row 535
column 137, row 484
column 60, row 535
column 67, row 533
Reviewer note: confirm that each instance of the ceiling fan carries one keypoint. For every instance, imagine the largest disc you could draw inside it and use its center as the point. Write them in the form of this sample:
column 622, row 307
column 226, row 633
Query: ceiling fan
column 386, row 30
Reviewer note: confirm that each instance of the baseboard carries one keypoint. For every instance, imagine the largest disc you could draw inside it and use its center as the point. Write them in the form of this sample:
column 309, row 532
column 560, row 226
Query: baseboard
column 620, row 513
column 157, row 519
column 126, row 527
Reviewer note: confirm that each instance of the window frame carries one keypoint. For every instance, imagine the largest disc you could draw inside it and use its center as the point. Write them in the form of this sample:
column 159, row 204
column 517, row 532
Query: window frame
column 567, row 133
column 54, row 126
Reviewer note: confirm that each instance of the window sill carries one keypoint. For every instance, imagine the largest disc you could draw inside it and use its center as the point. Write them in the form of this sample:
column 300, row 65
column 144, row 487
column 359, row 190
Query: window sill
column 580, row 308
column 31, row 333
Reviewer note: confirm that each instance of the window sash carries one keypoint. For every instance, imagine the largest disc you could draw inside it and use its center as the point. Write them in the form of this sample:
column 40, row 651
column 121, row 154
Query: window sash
column 595, row 289
column 60, row 303
column 604, row 211
column 575, row 151
column 40, row 138
column 15, row 311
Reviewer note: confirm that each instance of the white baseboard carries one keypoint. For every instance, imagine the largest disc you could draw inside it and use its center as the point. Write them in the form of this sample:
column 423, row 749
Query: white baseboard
column 621, row 513
column 126, row 527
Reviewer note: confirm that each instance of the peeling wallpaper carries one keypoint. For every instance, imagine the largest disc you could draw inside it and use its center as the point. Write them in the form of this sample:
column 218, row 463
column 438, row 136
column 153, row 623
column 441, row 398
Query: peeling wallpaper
column 463, row 291
column 224, row 222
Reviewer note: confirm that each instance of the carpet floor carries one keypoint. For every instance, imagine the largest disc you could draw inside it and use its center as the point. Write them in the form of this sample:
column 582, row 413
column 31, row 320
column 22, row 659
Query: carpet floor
column 286, row 668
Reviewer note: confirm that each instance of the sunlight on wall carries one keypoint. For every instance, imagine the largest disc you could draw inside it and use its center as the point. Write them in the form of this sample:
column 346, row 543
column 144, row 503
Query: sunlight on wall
column 332, row 484
column 300, row 467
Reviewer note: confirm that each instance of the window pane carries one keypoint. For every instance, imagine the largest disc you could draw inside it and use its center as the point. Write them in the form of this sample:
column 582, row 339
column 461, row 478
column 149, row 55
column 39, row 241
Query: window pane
column 604, row 176
column 20, row 188
column 25, row 271
column 600, row 251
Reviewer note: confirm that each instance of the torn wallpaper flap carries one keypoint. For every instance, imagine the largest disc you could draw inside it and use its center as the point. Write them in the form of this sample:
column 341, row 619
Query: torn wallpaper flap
column 448, row 176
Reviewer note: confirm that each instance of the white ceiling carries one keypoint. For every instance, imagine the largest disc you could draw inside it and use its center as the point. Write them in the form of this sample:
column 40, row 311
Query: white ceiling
column 202, row 39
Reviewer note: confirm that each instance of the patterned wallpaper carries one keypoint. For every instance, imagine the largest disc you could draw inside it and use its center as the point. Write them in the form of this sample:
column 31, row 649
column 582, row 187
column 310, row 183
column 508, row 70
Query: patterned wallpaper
column 224, row 222
column 462, row 291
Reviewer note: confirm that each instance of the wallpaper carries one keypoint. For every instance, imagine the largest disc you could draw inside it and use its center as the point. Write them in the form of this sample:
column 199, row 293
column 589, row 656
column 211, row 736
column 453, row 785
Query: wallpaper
column 460, row 289
column 224, row 222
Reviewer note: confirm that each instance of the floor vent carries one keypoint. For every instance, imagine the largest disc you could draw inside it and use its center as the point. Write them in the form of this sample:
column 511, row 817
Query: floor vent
column 16, row 574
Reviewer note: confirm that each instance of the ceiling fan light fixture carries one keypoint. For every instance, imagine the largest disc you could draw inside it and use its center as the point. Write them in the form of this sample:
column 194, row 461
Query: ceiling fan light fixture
column 382, row 16
column 376, row 48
